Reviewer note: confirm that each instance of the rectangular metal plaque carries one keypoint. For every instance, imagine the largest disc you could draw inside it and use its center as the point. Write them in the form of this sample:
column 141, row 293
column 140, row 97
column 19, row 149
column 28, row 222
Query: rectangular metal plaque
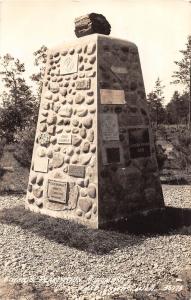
column 112, row 96
column 83, row 84
column 110, row 128
column 119, row 70
column 57, row 191
column 69, row 64
column 134, row 120
column 77, row 171
column 113, row 155
column 139, row 143
column 41, row 164
column 65, row 139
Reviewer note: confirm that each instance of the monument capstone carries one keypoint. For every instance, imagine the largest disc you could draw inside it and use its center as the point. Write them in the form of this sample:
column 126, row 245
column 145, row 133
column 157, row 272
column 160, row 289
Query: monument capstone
column 94, row 158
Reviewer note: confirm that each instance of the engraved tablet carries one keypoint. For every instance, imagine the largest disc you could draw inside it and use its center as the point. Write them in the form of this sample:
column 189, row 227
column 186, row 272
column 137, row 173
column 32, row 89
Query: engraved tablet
column 110, row 128
column 41, row 164
column 139, row 143
column 83, row 84
column 57, row 191
column 112, row 96
column 69, row 64
column 65, row 139
column 77, row 171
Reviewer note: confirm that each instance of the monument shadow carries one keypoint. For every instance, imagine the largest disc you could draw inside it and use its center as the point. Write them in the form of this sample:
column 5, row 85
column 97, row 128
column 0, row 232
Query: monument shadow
column 127, row 232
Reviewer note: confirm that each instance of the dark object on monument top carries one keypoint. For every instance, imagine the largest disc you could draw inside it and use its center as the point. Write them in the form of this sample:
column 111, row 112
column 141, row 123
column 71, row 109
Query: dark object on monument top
column 91, row 23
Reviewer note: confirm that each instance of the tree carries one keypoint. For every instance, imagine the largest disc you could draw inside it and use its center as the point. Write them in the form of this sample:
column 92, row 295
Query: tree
column 177, row 109
column 183, row 74
column 155, row 102
column 19, row 106
column 40, row 57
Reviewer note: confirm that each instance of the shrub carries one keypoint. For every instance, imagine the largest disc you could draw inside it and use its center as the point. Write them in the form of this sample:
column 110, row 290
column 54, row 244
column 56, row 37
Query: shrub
column 160, row 155
column 24, row 146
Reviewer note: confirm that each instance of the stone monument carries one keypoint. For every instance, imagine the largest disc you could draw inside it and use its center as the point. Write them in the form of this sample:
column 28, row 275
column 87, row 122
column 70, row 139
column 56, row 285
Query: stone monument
column 94, row 158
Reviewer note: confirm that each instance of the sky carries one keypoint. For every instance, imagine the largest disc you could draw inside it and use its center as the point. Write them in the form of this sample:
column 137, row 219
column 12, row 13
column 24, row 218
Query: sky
column 158, row 27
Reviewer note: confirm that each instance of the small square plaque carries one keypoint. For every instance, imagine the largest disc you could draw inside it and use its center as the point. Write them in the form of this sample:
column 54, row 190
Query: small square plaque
column 41, row 164
column 113, row 155
column 57, row 191
column 83, row 84
column 77, row 171
column 65, row 139
column 69, row 64
column 112, row 96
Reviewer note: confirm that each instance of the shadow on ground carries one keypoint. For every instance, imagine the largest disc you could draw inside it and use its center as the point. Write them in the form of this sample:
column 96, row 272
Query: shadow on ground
column 67, row 232
column 156, row 221
column 119, row 235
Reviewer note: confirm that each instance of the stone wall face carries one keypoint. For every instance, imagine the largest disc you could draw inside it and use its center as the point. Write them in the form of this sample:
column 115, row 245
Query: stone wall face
column 128, row 172
column 94, row 158
column 63, row 177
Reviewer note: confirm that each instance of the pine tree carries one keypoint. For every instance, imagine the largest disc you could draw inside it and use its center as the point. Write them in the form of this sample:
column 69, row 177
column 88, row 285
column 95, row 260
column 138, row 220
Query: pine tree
column 19, row 106
column 155, row 102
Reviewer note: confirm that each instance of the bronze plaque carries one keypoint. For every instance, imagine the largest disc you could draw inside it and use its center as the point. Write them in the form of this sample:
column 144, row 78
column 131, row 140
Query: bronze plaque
column 65, row 139
column 113, row 155
column 83, row 84
column 57, row 191
column 77, row 171
column 119, row 70
column 139, row 143
column 110, row 128
column 112, row 96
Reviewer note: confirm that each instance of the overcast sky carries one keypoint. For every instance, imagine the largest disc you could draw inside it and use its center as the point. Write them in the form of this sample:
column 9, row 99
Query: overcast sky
column 158, row 27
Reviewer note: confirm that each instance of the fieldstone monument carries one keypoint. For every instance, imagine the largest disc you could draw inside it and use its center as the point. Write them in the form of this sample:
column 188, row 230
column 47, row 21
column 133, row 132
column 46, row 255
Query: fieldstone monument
column 94, row 158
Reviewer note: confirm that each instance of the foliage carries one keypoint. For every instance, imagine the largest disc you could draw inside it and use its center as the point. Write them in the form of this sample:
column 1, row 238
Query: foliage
column 182, row 75
column 155, row 102
column 19, row 106
column 160, row 155
column 24, row 146
column 177, row 109
column 182, row 147
column 40, row 57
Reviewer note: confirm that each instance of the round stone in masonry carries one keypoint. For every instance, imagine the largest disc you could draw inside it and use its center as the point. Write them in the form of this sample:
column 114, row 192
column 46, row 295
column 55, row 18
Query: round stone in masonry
column 82, row 75
column 30, row 188
column 72, row 51
column 75, row 76
column 75, row 130
column 64, row 53
column 90, row 101
column 31, row 199
column 88, row 215
column 81, row 68
column 57, row 60
column 40, row 179
column 33, row 178
column 37, row 191
column 43, row 127
column 92, row 59
column 56, row 54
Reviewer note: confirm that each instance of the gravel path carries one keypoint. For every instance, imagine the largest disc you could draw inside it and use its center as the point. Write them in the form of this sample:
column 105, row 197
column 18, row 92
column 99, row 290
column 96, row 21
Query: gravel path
column 78, row 261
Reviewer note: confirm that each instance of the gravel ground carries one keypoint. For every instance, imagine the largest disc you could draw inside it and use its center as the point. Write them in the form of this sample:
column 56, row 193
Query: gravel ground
column 76, row 261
